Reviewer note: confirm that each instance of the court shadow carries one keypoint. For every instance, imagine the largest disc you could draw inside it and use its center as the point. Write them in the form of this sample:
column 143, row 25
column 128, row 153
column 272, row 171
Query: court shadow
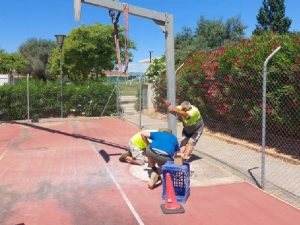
column 253, row 177
column 74, row 135
column 194, row 158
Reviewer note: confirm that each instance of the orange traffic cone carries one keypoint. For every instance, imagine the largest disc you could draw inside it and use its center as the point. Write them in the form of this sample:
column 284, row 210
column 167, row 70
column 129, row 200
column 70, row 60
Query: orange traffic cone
column 171, row 206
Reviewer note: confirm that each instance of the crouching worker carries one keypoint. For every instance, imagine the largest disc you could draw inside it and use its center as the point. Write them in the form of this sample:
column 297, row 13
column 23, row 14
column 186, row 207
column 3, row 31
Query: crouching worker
column 136, row 153
column 161, row 149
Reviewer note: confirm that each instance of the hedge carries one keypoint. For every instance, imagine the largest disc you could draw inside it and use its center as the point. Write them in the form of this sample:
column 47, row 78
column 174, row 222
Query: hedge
column 226, row 84
column 84, row 99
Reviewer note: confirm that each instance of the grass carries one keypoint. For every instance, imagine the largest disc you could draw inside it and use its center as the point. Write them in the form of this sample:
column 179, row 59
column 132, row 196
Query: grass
column 129, row 90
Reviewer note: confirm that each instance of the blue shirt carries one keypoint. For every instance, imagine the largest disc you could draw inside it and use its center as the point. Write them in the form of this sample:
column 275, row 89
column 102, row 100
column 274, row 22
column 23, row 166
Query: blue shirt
column 165, row 142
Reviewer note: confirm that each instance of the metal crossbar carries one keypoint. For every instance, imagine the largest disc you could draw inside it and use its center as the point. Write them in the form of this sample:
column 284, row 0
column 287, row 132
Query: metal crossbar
column 165, row 21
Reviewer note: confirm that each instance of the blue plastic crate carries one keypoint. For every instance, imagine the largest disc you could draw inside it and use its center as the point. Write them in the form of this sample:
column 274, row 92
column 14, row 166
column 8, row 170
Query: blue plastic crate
column 181, row 180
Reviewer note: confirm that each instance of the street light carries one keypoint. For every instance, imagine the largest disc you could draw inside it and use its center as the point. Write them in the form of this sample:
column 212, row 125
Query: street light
column 60, row 42
column 150, row 52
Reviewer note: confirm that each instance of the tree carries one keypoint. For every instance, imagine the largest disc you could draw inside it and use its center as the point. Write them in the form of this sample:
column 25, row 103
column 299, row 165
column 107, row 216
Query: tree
column 10, row 62
column 88, row 50
column 216, row 33
column 209, row 35
column 37, row 52
column 156, row 74
column 234, row 29
column 184, row 44
column 271, row 16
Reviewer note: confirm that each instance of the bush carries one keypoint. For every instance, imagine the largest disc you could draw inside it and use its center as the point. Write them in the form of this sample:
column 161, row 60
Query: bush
column 156, row 74
column 85, row 99
column 226, row 84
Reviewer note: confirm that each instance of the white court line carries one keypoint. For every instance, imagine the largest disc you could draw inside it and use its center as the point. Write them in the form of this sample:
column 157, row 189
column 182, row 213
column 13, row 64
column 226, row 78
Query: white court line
column 3, row 154
column 130, row 206
column 134, row 212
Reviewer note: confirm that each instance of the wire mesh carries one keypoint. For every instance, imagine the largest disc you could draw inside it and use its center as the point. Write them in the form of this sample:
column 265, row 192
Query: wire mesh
column 42, row 99
column 130, row 99
column 282, row 127
column 231, row 104
column 231, row 112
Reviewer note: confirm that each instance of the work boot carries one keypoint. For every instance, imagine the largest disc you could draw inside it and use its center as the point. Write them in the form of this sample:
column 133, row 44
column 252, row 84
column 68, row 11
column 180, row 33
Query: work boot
column 123, row 156
column 154, row 178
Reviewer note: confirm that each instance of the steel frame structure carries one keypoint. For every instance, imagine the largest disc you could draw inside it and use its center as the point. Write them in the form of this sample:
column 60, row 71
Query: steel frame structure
column 165, row 21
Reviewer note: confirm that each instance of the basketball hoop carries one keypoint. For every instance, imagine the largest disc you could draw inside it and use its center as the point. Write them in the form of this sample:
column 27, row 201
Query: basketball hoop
column 77, row 10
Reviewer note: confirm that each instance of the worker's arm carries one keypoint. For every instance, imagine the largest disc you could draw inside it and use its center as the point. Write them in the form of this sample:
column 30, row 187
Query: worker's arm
column 166, row 102
column 182, row 113
column 174, row 110
column 145, row 135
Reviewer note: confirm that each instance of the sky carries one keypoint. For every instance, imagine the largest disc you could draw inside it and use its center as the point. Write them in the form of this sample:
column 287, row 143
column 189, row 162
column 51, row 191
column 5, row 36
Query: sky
column 24, row 19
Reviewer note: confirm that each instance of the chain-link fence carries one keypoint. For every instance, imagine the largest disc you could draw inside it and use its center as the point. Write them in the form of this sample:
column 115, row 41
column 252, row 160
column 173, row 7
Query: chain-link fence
column 255, row 138
column 282, row 139
column 34, row 99
column 233, row 107
column 133, row 99
column 31, row 99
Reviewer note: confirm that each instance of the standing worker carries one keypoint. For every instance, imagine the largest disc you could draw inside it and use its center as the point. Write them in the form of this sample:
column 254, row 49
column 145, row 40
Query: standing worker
column 193, row 125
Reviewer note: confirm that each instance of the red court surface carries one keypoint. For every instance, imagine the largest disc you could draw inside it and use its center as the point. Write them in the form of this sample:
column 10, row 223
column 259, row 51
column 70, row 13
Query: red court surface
column 67, row 172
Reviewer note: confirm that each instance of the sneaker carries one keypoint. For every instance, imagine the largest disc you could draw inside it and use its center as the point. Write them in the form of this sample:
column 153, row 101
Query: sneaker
column 123, row 156
column 154, row 178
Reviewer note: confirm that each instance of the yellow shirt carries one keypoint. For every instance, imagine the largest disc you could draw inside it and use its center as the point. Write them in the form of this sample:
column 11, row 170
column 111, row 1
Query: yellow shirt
column 194, row 116
column 138, row 141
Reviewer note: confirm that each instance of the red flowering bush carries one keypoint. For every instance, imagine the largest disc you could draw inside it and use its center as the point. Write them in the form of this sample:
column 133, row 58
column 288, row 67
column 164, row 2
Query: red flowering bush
column 226, row 84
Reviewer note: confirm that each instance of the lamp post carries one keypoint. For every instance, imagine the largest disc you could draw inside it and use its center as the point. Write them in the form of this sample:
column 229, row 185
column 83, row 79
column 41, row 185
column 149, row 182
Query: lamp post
column 60, row 42
column 150, row 53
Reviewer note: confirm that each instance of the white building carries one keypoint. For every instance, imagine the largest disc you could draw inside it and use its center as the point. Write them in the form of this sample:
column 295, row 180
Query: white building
column 5, row 79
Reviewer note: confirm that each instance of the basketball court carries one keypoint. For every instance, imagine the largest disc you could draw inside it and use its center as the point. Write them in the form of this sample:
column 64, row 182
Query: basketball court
column 67, row 172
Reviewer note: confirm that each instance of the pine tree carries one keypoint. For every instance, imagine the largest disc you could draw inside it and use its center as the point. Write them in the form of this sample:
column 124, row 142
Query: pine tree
column 271, row 16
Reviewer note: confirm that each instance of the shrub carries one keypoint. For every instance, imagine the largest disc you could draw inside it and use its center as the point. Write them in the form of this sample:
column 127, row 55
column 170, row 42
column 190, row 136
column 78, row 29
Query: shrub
column 226, row 84
column 85, row 99
column 228, row 81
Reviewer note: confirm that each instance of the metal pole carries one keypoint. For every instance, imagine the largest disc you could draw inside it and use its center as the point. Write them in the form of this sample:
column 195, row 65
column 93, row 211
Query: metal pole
column 170, row 67
column 120, row 108
column 28, row 116
column 165, row 21
column 263, row 150
column 150, row 52
column 117, row 96
column 140, row 105
column 61, row 85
